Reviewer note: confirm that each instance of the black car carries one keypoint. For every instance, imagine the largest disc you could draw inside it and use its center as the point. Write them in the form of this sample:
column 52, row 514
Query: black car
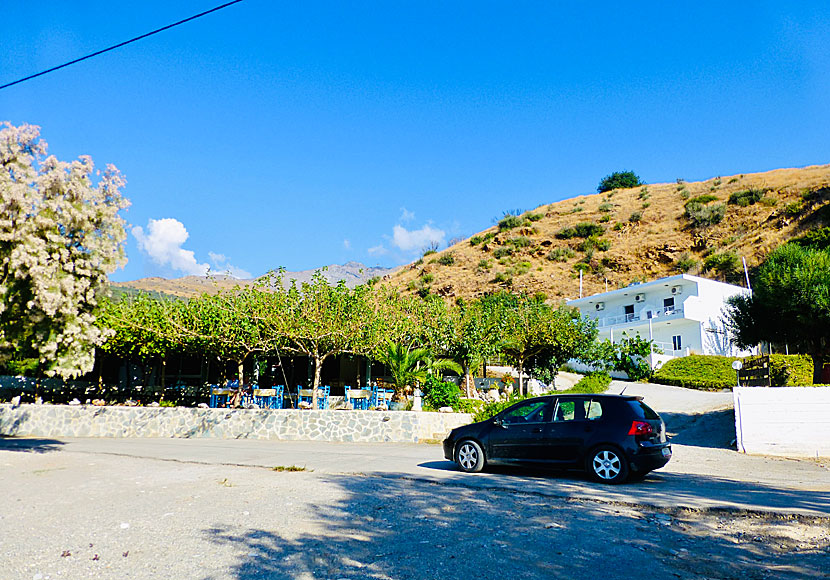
column 612, row 437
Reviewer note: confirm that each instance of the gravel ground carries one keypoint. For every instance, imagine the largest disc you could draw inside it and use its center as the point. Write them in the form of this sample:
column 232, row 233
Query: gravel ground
column 78, row 515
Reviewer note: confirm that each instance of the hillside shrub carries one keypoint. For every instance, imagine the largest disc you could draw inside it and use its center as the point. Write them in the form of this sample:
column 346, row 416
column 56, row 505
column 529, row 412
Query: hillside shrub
column 635, row 217
column 698, row 371
column 619, row 180
column 509, row 221
column 606, row 207
column 818, row 239
column 581, row 230
column 519, row 242
column 447, row 259
column 560, row 255
column 685, row 262
column 476, row 240
column 704, row 199
column 701, row 215
column 724, row 263
column 534, row 217
column 502, row 252
column 747, row 197
column 793, row 208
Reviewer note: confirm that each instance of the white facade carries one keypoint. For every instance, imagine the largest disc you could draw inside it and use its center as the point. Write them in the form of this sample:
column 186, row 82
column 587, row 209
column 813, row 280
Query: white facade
column 682, row 314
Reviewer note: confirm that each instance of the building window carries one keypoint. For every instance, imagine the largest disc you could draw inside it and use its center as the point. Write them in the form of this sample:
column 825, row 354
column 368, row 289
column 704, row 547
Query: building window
column 668, row 305
column 675, row 342
column 629, row 312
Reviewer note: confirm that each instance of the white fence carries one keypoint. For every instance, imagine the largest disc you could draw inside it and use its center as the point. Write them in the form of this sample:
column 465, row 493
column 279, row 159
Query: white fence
column 787, row 421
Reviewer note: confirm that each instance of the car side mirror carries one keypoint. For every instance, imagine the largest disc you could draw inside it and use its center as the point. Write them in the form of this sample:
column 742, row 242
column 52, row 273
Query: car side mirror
column 500, row 423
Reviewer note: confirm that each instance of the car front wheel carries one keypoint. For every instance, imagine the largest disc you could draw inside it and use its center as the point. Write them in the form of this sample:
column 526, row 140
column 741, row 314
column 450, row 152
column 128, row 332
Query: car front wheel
column 469, row 456
column 608, row 465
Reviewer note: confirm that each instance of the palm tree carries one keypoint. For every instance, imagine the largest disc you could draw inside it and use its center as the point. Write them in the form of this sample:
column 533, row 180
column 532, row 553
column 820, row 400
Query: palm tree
column 410, row 367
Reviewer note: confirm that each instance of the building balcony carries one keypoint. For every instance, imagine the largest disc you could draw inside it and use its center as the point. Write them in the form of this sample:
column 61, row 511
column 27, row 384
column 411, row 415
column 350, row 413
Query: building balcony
column 667, row 313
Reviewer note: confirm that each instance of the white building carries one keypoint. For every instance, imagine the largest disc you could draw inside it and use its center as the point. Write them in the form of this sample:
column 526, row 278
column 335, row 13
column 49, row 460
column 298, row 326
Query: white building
column 682, row 314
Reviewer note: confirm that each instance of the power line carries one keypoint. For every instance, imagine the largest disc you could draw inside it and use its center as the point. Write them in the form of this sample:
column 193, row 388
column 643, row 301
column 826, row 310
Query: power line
column 120, row 44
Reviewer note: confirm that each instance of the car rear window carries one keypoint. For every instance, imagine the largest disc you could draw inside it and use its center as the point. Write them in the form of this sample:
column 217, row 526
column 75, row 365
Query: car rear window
column 642, row 410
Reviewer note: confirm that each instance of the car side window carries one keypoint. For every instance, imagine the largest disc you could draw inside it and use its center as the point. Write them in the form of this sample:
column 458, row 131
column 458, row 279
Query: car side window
column 570, row 410
column 593, row 410
column 533, row 412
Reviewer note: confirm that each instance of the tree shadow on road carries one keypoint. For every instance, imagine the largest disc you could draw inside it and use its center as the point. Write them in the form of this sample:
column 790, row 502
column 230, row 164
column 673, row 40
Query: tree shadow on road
column 29, row 445
column 399, row 528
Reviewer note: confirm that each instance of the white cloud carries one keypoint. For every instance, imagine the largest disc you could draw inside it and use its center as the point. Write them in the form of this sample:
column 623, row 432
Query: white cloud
column 408, row 240
column 378, row 250
column 347, row 244
column 163, row 244
column 406, row 215
column 221, row 265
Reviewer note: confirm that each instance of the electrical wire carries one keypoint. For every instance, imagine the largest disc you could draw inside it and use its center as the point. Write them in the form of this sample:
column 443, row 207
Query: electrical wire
column 169, row 26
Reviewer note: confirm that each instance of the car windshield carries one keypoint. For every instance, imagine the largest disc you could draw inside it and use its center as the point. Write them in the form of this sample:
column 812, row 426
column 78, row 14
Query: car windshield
column 642, row 410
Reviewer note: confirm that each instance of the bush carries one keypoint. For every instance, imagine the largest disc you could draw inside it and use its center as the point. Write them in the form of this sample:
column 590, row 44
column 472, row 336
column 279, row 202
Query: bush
column 476, row 240
column 818, row 239
column 581, row 230
column 438, row 393
column 591, row 383
column 704, row 199
column 635, row 217
column 725, row 263
column 519, row 242
column 502, row 252
column 509, row 222
column 685, row 263
column 560, row 255
column 534, row 217
column 701, row 214
column 447, row 259
column 747, row 197
column 618, row 180
column 792, row 370
column 793, row 208
column 697, row 371
column 606, row 207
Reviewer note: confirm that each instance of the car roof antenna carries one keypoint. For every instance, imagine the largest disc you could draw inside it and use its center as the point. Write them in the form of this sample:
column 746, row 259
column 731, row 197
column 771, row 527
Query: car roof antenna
column 624, row 388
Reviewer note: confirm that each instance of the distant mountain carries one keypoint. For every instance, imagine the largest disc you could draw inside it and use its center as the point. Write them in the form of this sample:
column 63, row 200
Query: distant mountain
column 352, row 273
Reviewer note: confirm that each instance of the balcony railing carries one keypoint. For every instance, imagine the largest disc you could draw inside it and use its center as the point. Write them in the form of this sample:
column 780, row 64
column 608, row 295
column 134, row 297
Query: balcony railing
column 656, row 315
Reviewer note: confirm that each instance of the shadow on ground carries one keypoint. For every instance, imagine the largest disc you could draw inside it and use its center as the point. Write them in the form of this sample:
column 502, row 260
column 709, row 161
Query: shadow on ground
column 29, row 445
column 714, row 429
column 401, row 528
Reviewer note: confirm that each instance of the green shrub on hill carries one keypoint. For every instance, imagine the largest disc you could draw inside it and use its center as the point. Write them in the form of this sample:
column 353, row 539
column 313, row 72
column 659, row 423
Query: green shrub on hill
column 592, row 383
column 581, row 230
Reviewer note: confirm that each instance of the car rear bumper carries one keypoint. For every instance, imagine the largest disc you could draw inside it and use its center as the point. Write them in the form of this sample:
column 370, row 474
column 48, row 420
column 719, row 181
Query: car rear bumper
column 649, row 458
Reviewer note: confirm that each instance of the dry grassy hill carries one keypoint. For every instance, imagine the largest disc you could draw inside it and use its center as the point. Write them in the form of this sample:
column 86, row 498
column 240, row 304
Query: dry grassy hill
column 633, row 234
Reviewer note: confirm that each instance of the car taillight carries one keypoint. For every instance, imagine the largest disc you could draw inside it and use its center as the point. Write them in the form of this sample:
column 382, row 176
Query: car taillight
column 640, row 428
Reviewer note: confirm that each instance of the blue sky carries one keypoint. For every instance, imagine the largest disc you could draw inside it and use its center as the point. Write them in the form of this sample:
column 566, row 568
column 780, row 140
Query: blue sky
column 307, row 133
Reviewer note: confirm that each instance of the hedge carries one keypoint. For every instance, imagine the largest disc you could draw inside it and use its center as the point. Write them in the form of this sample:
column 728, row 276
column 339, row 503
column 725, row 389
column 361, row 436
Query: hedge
column 711, row 373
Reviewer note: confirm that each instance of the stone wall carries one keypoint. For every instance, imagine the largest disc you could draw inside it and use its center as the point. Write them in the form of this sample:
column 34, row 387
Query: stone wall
column 284, row 424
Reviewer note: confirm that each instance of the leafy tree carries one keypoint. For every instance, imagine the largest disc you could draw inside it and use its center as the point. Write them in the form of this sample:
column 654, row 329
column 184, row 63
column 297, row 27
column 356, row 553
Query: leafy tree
column 790, row 303
column 141, row 329
column 619, row 180
column 60, row 235
column 318, row 320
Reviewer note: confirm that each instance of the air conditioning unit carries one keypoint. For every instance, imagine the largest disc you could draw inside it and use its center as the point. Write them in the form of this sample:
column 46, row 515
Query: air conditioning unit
column 600, row 306
column 639, row 298
column 676, row 290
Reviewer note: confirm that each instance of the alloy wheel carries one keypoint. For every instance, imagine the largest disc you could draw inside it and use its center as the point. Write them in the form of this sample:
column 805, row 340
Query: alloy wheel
column 607, row 465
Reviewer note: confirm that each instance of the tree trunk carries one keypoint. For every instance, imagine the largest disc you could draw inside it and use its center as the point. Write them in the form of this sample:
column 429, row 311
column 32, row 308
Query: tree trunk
column 818, row 367
column 163, row 371
column 240, row 368
column 521, row 377
column 468, row 380
column 318, row 371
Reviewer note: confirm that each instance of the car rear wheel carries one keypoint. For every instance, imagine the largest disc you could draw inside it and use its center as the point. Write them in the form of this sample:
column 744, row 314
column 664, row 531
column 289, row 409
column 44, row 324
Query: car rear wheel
column 469, row 456
column 608, row 465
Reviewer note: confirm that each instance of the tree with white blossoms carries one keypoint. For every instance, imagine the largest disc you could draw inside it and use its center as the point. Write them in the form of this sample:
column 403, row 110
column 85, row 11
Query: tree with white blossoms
column 60, row 235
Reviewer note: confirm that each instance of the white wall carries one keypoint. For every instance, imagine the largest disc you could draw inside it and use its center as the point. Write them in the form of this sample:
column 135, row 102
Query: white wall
column 787, row 421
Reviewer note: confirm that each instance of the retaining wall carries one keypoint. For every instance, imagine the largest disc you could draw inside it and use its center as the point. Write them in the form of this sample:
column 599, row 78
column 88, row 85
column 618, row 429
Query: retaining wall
column 787, row 421
column 183, row 422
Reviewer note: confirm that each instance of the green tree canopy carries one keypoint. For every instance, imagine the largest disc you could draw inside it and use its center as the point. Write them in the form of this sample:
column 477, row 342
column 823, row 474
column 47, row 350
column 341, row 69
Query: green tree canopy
column 618, row 180
column 790, row 303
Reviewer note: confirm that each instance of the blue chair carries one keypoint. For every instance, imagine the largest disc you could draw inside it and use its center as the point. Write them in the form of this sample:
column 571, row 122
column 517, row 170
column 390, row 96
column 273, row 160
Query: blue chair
column 218, row 396
column 269, row 398
column 360, row 399
column 306, row 396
